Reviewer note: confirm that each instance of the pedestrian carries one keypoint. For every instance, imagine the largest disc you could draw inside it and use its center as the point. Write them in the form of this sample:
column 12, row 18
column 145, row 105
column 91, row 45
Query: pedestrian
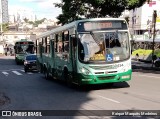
column 10, row 50
column 6, row 49
column 137, row 56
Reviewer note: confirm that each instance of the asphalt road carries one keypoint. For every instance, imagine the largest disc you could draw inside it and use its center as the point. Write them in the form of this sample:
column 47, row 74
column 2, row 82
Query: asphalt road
column 30, row 91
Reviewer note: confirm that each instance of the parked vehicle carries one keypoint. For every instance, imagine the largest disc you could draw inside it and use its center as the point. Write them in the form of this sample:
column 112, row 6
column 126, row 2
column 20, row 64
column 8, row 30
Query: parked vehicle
column 30, row 62
column 157, row 62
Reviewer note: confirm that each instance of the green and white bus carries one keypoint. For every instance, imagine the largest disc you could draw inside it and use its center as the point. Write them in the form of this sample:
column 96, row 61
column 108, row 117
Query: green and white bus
column 23, row 47
column 90, row 51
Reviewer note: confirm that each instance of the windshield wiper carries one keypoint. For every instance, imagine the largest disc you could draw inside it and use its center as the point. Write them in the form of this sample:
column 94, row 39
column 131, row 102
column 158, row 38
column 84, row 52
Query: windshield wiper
column 95, row 39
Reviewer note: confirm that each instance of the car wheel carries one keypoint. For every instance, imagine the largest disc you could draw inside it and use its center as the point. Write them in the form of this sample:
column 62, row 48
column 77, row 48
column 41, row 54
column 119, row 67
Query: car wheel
column 157, row 64
column 25, row 69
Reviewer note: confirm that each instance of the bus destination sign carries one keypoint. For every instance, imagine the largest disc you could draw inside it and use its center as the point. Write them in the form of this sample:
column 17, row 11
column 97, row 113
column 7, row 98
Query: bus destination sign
column 101, row 25
column 96, row 25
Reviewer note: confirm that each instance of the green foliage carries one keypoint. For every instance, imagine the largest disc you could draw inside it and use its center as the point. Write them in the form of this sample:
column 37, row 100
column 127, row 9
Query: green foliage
column 127, row 19
column 5, row 27
column 26, row 20
column 78, row 9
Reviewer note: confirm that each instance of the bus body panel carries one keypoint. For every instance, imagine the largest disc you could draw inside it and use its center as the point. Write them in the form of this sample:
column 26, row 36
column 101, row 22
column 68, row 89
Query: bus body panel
column 104, row 73
column 101, row 79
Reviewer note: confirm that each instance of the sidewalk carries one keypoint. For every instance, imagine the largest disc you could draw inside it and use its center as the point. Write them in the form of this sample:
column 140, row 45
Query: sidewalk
column 143, row 65
column 1, row 55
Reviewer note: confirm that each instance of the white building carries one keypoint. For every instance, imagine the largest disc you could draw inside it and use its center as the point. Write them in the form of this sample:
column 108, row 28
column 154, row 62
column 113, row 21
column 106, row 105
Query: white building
column 140, row 19
column 12, row 37
column 4, row 11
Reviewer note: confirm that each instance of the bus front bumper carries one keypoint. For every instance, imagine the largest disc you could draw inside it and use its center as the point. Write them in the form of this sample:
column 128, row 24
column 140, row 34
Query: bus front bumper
column 106, row 78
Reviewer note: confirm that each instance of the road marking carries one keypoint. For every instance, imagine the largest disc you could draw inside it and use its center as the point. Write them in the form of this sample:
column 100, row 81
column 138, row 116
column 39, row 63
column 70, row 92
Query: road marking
column 149, row 76
column 16, row 72
column 10, row 69
column 22, row 70
column 108, row 99
column 5, row 73
column 29, row 73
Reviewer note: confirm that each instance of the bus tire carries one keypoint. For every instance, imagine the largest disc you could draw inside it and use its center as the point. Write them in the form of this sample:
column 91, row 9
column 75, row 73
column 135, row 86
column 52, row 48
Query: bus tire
column 17, row 62
column 157, row 64
column 46, row 74
column 67, row 78
column 40, row 68
column 26, row 70
column 69, row 81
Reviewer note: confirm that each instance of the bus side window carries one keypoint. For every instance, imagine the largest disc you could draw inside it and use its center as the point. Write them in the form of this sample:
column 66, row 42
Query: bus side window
column 43, row 45
column 48, row 45
column 66, row 41
column 59, row 43
column 56, row 42
column 81, row 51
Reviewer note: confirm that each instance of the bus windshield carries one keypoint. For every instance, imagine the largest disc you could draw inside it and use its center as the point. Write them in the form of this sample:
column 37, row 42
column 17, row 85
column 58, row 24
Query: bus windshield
column 104, row 46
column 24, row 48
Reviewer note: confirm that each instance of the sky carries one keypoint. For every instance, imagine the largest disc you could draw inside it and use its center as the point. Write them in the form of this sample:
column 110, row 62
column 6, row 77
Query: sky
column 41, row 8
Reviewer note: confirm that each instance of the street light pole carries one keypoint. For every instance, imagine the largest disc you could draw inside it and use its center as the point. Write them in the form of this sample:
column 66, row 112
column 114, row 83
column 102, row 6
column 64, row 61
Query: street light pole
column 154, row 33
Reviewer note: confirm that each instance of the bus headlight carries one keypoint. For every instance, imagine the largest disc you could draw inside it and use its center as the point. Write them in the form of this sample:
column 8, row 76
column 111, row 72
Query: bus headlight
column 85, row 71
column 126, row 77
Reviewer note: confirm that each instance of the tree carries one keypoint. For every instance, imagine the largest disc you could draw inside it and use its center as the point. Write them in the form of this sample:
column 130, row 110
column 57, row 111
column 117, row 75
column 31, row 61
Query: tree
column 5, row 27
column 79, row 9
column 26, row 20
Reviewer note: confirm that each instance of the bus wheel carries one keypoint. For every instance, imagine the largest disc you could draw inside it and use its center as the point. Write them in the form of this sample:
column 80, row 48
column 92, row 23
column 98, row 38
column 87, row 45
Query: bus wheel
column 157, row 64
column 41, row 68
column 17, row 62
column 68, row 79
column 46, row 74
column 25, row 69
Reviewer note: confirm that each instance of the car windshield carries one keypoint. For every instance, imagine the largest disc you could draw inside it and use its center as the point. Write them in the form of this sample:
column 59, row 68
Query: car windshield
column 104, row 46
column 31, row 57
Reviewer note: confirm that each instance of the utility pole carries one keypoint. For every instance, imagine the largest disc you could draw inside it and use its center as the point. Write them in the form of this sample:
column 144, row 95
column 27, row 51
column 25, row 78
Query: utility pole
column 154, row 34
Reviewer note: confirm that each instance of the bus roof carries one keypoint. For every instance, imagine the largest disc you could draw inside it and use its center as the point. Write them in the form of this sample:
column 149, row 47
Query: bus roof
column 74, row 23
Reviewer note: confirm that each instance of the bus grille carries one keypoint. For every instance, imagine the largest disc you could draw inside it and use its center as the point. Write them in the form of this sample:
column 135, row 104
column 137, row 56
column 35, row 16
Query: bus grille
column 106, row 77
column 103, row 67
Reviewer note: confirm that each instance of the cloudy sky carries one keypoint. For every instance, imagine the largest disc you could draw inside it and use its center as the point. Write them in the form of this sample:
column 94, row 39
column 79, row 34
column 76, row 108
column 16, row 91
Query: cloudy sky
column 41, row 8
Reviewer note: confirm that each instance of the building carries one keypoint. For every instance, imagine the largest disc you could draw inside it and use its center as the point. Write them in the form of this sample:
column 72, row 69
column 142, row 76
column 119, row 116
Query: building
column 140, row 19
column 12, row 37
column 4, row 11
